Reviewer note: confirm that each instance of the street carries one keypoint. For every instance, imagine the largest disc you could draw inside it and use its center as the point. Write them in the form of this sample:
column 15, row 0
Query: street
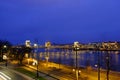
column 6, row 73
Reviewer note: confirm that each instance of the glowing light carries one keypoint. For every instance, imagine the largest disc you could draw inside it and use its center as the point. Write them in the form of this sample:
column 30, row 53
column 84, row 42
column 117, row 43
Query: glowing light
column 73, row 69
column 76, row 44
column 27, row 43
column 4, row 57
column 96, row 65
column 4, row 46
column 35, row 45
column 4, row 76
column 79, row 71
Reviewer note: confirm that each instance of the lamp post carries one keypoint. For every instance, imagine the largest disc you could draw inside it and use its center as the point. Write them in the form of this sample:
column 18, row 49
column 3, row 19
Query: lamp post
column 98, row 65
column 3, row 50
column 28, row 61
column 5, row 58
column 5, row 46
column 5, row 55
column 76, row 47
column 47, row 46
column 108, row 67
column 36, row 49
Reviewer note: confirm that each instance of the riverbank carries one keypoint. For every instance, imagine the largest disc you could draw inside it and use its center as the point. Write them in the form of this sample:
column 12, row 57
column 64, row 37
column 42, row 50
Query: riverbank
column 87, row 73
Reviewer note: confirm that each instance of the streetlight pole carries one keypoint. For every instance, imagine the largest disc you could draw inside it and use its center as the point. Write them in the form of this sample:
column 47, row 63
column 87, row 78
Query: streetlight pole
column 76, row 64
column 98, row 66
column 47, row 46
column 59, row 59
column 76, row 47
column 47, row 55
column 1, row 55
column 36, row 50
column 3, row 50
column 108, row 68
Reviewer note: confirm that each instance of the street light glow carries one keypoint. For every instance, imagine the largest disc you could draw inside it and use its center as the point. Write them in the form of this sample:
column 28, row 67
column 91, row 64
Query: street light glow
column 27, row 43
column 35, row 44
column 76, row 44
column 5, row 46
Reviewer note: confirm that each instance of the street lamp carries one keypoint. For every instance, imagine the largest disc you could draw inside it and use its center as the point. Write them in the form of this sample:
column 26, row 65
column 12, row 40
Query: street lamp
column 5, row 58
column 28, row 60
column 5, row 55
column 5, row 46
column 47, row 46
column 98, row 65
column 36, row 50
column 108, row 65
column 3, row 50
column 76, row 48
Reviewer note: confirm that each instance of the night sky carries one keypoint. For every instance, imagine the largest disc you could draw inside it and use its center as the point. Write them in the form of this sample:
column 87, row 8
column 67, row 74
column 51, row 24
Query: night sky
column 60, row 21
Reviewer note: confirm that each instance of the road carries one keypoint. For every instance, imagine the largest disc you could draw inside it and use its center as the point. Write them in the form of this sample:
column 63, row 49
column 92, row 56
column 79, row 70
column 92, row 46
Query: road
column 7, row 73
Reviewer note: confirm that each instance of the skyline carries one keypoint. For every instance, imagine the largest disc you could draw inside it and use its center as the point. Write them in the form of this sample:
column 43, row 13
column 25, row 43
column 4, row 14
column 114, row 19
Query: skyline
column 63, row 21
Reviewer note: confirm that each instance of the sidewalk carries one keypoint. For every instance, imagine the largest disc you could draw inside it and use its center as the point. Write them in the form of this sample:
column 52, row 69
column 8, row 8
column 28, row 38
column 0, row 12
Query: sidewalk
column 67, row 70
column 59, row 74
column 44, row 75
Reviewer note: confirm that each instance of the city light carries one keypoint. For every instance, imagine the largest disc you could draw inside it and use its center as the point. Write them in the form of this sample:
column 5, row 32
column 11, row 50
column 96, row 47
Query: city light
column 27, row 43
column 5, row 46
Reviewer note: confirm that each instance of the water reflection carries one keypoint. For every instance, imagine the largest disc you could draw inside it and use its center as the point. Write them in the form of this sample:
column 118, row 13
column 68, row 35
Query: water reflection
column 85, row 58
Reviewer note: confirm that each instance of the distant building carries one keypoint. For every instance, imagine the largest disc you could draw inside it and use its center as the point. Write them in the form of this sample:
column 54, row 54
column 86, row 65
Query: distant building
column 27, row 43
column 110, row 45
column 47, row 44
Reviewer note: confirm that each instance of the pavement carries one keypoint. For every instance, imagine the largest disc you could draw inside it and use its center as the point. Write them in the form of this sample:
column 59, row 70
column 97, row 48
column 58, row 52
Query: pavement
column 63, row 72
column 46, row 76
column 53, row 71
column 59, row 74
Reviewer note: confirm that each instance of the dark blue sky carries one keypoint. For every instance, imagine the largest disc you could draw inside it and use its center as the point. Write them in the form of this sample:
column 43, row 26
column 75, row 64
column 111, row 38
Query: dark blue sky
column 60, row 21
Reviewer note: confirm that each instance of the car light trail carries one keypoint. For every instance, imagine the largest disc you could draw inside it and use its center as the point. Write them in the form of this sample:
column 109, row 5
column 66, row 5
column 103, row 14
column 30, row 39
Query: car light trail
column 4, row 76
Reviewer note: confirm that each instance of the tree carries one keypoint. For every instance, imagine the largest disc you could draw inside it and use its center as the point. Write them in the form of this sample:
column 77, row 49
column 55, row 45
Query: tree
column 19, row 52
column 5, row 47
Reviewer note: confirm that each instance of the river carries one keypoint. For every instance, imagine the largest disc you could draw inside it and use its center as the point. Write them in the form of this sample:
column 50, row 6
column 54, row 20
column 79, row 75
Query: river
column 84, row 58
